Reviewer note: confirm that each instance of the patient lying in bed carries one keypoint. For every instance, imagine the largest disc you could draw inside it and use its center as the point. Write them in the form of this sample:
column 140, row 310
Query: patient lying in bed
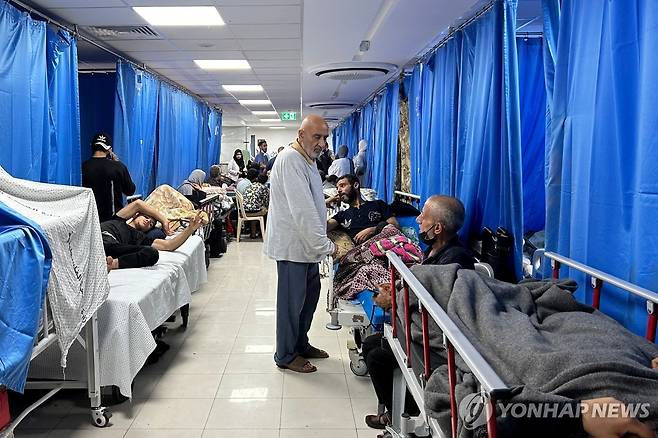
column 126, row 243
column 545, row 345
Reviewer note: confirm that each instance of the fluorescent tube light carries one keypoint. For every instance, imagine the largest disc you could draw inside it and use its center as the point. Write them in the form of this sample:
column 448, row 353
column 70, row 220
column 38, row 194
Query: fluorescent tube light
column 277, row 127
column 255, row 102
column 180, row 15
column 270, row 120
column 264, row 113
column 243, row 88
column 223, row 64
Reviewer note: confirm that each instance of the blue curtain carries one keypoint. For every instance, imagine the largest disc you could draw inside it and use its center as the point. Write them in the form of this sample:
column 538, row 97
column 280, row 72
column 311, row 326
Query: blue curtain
column 385, row 141
column 97, row 93
column 347, row 133
column 532, row 98
column 366, row 132
column 420, row 97
column 25, row 269
column 63, row 162
column 439, row 174
column 203, row 136
column 488, row 161
column 25, row 140
column 214, row 137
column 135, row 117
column 179, row 135
column 602, row 182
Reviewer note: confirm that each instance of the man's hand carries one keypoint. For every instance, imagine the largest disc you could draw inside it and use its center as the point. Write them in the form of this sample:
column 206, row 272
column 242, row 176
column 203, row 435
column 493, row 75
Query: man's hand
column 166, row 227
column 364, row 235
column 333, row 200
column 654, row 363
column 113, row 156
column 383, row 298
column 197, row 221
column 617, row 424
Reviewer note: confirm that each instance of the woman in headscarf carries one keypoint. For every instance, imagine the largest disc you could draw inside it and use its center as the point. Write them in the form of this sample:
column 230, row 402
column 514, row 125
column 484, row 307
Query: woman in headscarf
column 360, row 161
column 341, row 165
column 236, row 167
column 192, row 187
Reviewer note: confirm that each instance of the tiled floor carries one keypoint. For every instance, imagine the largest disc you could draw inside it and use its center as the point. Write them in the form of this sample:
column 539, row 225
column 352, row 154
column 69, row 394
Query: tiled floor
column 219, row 380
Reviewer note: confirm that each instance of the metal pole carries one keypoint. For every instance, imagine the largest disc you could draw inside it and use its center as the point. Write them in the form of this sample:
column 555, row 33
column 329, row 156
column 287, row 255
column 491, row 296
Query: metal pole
column 452, row 381
column 407, row 323
column 596, row 293
column 393, row 302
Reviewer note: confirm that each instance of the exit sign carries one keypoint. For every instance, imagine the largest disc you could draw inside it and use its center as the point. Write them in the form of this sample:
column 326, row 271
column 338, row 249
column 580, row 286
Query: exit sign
column 289, row 115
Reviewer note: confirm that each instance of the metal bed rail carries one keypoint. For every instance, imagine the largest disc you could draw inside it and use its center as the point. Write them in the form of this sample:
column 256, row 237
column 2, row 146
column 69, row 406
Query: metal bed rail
column 454, row 340
column 599, row 277
column 47, row 336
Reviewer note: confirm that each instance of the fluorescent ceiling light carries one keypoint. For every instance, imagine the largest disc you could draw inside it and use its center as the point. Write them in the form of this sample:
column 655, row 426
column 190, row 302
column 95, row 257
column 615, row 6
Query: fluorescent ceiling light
column 180, row 15
column 264, row 113
column 243, row 88
column 223, row 64
column 277, row 127
column 270, row 120
column 255, row 102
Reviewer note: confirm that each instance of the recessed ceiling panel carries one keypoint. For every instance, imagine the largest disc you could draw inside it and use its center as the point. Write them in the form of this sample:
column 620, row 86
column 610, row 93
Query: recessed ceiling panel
column 100, row 16
column 273, row 43
column 142, row 45
column 260, row 14
column 266, row 30
column 273, row 54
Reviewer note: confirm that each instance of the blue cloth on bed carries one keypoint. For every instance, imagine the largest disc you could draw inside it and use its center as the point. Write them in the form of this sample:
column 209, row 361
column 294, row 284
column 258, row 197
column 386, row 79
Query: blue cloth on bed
column 376, row 314
column 25, row 261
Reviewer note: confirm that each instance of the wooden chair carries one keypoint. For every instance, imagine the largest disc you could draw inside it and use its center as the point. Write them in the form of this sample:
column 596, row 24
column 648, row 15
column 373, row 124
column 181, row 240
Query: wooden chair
column 244, row 217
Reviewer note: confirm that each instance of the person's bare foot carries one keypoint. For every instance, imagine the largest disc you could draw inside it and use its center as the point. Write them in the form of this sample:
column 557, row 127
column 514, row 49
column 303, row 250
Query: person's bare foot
column 111, row 263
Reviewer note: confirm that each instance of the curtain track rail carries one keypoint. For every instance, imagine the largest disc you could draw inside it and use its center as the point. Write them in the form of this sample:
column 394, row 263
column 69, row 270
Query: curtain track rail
column 75, row 32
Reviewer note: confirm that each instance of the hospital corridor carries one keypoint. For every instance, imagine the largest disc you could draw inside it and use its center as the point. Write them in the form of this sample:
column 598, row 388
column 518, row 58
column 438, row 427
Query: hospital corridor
column 219, row 380
column 328, row 219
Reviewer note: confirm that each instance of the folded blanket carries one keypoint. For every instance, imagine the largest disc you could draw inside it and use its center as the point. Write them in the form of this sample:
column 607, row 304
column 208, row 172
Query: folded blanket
column 540, row 341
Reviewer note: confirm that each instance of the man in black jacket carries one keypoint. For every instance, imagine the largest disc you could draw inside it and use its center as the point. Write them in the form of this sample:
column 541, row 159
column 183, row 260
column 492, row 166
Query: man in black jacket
column 440, row 220
column 107, row 177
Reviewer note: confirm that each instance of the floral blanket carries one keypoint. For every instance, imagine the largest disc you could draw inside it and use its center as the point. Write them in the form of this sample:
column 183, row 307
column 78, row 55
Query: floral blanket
column 366, row 266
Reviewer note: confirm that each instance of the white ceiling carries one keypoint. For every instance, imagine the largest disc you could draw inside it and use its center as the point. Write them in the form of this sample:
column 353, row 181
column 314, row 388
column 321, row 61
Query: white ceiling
column 281, row 39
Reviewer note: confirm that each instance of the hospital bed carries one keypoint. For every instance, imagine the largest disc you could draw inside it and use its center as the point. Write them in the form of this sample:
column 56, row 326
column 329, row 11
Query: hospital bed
column 361, row 316
column 414, row 369
column 140, row 300
column 66, row 316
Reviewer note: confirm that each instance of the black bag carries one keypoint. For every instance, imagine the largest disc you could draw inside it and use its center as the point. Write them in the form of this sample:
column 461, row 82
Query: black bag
column 498, row 251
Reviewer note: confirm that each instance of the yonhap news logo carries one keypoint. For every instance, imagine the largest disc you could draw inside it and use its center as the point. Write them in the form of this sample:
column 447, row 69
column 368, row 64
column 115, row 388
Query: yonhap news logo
column 473, row 411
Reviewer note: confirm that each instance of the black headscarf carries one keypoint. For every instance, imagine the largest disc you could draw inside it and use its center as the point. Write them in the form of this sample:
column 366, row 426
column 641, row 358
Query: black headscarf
column 239, row 162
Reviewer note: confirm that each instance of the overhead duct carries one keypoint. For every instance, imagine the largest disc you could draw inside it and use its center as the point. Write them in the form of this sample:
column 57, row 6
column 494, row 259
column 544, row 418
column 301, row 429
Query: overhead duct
column 122, row 32
column 353, row 71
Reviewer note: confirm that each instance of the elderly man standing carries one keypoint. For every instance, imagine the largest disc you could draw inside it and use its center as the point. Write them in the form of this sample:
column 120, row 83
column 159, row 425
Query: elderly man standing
column 297, row 240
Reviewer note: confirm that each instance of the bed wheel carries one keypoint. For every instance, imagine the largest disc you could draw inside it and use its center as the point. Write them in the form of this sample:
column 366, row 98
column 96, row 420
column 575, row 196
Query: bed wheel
column 359, row 368
column 100, row 417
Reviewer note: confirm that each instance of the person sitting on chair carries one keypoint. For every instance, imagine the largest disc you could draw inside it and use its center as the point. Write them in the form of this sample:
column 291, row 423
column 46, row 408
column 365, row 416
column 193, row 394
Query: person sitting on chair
column 440, row 220
column 363, row 219
column 192, row 187
column 126, row 243
column 244, row 183
column 256, row 200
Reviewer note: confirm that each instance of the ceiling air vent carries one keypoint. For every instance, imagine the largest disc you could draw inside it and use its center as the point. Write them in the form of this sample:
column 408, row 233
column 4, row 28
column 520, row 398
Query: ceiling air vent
column 353, row 71
column 123, row 32
column 330, row 105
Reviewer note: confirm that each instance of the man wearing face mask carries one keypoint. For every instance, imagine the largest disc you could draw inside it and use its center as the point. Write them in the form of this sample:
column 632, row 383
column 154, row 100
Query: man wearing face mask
column 297, row 239
column 439, row 222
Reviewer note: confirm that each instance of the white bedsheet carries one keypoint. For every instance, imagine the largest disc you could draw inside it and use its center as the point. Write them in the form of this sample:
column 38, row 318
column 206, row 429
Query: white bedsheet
column 139, row 301
column 78, row 279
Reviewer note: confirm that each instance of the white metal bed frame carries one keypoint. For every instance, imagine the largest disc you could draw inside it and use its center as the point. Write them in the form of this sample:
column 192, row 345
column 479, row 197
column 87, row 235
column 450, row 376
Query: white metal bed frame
column 46, row 336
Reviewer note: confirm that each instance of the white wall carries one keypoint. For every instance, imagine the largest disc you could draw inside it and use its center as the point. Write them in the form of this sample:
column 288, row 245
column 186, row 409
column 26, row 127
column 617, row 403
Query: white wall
column 233, row 137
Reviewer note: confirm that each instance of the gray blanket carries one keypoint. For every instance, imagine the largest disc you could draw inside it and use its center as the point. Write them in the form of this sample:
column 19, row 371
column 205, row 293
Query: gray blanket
column 540, row 341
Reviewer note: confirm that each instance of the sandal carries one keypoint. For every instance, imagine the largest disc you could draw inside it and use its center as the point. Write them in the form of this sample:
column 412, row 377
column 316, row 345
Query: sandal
column 299, row 365
column 314, row 353
column 378, row 421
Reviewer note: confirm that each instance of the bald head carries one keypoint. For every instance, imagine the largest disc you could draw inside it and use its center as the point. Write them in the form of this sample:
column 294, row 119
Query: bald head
column 448, row 211
column 312, row 135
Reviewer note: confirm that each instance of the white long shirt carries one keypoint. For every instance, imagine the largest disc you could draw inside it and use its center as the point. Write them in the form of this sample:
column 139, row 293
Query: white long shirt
column 297, row 215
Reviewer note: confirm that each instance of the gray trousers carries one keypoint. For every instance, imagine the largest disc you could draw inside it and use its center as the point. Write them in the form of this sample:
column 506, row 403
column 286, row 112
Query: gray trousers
column 298, row 292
